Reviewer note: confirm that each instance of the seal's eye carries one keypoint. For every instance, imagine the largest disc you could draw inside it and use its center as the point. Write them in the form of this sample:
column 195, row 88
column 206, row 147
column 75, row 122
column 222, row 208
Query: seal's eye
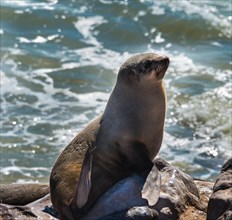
column 147, row 64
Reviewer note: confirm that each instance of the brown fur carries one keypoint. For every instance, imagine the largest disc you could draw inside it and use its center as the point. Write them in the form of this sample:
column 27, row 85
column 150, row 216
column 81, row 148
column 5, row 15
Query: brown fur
column 66, row 171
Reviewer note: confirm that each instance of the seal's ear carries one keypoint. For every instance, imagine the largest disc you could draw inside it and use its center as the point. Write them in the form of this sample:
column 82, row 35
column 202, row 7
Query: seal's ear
column 84, row 184
column 151, row 188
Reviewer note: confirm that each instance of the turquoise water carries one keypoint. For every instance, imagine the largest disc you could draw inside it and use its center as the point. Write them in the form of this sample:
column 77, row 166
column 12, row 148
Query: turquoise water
column 59, row 61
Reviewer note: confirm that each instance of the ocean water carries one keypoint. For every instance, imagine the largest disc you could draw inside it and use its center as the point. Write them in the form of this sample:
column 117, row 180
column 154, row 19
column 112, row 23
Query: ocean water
column 59, row 62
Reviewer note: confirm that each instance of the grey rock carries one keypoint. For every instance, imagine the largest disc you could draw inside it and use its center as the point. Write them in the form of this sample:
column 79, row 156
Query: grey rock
column 34, row 210
column 220, row 202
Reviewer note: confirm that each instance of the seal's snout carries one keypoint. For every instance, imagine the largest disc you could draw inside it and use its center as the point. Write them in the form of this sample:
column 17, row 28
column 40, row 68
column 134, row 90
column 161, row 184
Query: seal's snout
column 154, row 63
column 162, row 61
column 159, row 65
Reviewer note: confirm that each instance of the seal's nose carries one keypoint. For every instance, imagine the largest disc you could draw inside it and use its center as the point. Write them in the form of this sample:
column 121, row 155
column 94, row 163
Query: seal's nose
column 165, row 61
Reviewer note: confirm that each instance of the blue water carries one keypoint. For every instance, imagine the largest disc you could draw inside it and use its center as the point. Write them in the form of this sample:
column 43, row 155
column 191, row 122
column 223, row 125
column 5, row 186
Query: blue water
column 59, row 61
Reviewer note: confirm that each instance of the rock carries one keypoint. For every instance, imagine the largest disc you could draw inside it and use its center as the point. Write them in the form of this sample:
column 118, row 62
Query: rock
column 34, row 210
column 220, row 202
column 43, row 208
column 22, row 194
column 178, row 191
column 135, row 213
column 181, row 197
column 192, row 212
column 8, row 212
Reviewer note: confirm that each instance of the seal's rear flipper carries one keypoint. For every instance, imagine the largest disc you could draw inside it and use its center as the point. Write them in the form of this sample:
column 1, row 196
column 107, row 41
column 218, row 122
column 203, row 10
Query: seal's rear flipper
column 151, row 187
column 84, row 184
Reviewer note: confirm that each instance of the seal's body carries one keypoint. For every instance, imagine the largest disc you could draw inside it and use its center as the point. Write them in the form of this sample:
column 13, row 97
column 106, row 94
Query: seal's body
column 128, row 136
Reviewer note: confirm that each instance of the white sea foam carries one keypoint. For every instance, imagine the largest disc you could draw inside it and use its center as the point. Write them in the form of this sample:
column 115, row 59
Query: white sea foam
column 38, row 39
column 86, row 26
column 49, row 5
column 98, row 56
column 157, row 9
column 23, row 170
column 206, row 11
column 159, row 39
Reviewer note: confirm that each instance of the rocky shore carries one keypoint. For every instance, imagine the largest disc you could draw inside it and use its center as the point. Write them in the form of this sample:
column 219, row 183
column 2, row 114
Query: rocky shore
column 181, row 197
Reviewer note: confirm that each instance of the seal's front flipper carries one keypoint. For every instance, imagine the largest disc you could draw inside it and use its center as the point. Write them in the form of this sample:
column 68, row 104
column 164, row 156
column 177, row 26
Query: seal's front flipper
column 84, row 184
column 151, row 187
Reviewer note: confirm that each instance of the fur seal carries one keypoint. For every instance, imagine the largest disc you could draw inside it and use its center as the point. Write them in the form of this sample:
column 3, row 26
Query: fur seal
column 123, row 141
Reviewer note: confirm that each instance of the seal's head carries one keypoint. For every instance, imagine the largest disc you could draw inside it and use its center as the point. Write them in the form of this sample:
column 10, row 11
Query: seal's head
column 144, row 67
